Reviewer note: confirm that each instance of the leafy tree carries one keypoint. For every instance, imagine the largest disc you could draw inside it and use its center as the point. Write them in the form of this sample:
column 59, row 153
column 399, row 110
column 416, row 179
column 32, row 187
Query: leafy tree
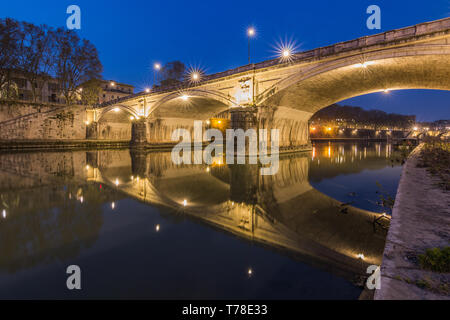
column 90, row 91
column 172, row 73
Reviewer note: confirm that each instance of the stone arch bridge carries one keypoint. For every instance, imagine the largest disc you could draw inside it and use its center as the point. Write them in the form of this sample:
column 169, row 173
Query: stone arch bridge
column 285, row 94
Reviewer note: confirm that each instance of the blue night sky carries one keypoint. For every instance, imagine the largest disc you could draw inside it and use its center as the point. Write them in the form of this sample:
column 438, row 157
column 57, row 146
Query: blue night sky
column 132, row 35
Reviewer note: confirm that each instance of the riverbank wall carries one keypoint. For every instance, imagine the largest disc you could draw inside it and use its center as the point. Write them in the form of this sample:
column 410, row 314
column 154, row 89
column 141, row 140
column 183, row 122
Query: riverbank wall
column 420, row 221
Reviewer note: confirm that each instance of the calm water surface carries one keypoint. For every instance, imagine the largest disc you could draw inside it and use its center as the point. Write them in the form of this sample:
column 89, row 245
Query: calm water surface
column 141, row 227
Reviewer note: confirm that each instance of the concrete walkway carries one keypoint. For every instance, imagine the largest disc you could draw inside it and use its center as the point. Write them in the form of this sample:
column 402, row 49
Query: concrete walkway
column 420, row 220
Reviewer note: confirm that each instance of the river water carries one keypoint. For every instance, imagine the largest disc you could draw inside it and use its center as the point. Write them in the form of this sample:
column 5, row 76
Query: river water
column 139, row 226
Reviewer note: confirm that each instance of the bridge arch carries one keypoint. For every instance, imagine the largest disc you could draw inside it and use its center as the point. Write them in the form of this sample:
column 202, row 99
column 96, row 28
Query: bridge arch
column 117, row 108
column 418, row 67
column 193, row 103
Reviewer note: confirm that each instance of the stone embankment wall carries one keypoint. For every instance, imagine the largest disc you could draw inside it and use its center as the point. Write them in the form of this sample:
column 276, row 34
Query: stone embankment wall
column 420, row 221
column 33, row 121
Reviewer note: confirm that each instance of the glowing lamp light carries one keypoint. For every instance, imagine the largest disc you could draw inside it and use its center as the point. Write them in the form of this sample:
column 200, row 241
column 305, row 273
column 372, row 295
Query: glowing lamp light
column 286, row 53
column 184, row 97
column 360, row 256
column 131, row 118
column 112, row 83
column 250, row 272
column 116, row 182
column 113, row 205
column 87, row 122
column 185, row 202
column 4, row 213
column 328, row 129
column 251, row 32
column 116, row 109
column 386, row 91
column 87, row 167
column 157, row 227
column 415, row 128
column 157, row 66
column 219, row 122
column 195, row 76
column 313, row 128
column 147, row 90
column 364, row 64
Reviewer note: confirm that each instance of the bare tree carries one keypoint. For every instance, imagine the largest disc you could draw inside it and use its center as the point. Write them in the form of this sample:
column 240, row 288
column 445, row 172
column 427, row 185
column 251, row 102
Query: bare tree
column 36, row 50
column 9, row 32
column 76, row 62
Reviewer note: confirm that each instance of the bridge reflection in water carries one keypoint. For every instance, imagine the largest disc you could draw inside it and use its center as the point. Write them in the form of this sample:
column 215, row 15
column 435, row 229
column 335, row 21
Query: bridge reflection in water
column 283, row 211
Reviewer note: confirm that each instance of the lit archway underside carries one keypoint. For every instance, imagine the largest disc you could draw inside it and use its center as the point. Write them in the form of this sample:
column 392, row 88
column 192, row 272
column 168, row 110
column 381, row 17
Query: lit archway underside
column 328, row 84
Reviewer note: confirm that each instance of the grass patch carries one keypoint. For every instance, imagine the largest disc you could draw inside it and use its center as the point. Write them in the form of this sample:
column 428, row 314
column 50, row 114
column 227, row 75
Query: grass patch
column 435, row 156
column 436, row 259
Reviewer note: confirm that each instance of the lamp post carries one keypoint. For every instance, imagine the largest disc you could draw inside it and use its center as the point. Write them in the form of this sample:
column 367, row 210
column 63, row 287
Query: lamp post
column 250, row 34
column 156, row 68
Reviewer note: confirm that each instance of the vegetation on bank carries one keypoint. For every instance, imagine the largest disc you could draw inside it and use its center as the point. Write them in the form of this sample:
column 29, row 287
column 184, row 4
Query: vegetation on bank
column 435, row 156
column 436, row 259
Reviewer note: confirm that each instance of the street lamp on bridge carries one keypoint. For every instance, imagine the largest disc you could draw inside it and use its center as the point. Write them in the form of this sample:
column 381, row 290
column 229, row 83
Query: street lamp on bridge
column 250, row 34
column 156, row 68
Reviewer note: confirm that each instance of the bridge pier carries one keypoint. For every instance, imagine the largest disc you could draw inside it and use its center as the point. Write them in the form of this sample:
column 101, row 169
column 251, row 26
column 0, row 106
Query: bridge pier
column 92, row 130
column 139, row 133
